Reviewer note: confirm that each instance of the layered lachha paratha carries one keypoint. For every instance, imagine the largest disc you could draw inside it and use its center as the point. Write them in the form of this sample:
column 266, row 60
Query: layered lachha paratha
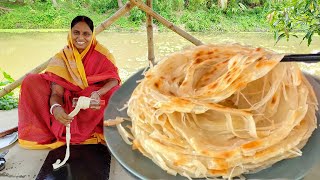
column 221, row 110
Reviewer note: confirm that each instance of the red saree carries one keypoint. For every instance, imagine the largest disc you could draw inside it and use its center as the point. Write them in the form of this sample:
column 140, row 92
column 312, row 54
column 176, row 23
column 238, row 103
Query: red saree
column 39, row 129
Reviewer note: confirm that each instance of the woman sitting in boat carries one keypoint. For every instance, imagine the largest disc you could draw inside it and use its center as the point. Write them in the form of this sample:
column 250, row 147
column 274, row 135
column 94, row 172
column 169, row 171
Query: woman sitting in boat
column 82, row 68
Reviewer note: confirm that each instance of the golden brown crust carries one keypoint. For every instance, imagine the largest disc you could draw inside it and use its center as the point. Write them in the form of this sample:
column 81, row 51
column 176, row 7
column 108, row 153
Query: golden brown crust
column 222, row 110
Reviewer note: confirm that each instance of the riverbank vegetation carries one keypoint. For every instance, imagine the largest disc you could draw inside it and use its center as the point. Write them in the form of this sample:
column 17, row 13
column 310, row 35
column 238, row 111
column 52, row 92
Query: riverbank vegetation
column 192, row 15
column 283, row 17
column 9, row 101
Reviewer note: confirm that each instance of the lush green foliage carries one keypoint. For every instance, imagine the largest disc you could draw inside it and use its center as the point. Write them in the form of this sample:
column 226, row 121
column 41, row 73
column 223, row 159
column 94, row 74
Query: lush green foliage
column 198, row 15
column 285, row 16
column 292, row 16
column 8, row 101
column 43, row 15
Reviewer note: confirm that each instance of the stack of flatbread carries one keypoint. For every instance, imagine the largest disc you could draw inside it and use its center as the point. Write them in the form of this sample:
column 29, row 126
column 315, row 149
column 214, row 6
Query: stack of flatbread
column 222, row 110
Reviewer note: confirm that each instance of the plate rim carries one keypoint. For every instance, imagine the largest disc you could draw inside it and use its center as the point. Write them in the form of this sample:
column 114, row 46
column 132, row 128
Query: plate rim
column 140, row 175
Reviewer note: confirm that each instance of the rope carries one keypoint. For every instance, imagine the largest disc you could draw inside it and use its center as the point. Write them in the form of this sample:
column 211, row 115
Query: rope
column 83, row 103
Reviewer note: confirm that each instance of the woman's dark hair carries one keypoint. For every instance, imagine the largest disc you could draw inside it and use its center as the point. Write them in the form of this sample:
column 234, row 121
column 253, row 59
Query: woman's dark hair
column 84, row 19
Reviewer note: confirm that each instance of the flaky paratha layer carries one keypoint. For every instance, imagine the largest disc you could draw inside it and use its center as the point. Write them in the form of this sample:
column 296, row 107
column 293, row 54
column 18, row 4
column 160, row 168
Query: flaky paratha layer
column 222, row 110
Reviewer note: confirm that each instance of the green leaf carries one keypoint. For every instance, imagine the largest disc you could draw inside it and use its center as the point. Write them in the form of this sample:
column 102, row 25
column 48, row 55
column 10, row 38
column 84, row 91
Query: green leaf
column 307, row 4
column 275, row 35
column 10, row 94
column 4, row 83
column 309, row 40
column 295, row 15
column 8, row 77
column 242, row 6
column 308, row 36
column 280, row 37
column 294, row 35
column 276, row 23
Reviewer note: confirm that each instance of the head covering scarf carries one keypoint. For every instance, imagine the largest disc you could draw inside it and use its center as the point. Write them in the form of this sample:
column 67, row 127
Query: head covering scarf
column 68, row 63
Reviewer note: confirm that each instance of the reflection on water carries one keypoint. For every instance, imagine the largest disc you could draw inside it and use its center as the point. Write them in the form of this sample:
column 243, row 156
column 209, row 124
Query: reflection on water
column 21, row 52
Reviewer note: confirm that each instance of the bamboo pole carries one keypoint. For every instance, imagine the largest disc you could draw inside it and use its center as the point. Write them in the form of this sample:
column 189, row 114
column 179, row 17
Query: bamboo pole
column 18, row 82
column 168, row 24
column 122, row 11
column 127, row 7
column 150, row 35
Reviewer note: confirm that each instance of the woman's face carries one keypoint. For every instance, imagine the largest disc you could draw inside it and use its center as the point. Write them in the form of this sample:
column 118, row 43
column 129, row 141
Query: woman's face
column 81, row 36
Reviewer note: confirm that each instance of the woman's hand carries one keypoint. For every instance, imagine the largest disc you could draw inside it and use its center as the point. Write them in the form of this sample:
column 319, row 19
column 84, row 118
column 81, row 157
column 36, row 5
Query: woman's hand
column 95, row 96
column 62, row 116
column 56, row 98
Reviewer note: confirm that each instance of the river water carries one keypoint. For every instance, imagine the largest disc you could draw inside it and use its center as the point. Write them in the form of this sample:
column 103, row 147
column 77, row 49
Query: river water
column 21, row 52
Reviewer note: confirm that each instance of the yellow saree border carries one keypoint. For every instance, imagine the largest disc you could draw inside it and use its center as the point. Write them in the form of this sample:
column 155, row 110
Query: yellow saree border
column 95, row 138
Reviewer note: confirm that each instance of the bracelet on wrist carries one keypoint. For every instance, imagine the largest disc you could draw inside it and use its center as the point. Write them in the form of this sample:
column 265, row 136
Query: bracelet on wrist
column 53, row 106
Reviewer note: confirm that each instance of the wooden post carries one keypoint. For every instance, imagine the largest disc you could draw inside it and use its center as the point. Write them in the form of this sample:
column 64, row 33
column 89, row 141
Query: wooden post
column 149, row 25
column 127, row 7
column 168, row 24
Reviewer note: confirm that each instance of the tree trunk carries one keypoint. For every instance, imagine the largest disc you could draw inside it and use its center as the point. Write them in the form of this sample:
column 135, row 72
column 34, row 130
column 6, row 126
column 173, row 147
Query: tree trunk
column 120, row 4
